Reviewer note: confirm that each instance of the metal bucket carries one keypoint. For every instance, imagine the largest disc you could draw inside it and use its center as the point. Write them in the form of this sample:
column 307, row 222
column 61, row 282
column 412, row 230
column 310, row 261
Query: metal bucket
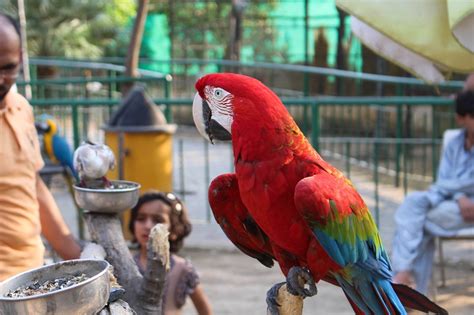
column 83, row 298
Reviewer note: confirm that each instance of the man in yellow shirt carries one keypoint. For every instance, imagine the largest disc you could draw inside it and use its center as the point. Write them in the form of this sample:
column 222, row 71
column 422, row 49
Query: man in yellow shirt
column 27, row 208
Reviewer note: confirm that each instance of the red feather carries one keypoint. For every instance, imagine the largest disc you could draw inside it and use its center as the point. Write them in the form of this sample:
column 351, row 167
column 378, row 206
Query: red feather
column 235, row 220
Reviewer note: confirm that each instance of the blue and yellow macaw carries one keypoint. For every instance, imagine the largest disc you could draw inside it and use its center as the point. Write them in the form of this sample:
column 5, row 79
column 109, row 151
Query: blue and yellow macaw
column 56, row 146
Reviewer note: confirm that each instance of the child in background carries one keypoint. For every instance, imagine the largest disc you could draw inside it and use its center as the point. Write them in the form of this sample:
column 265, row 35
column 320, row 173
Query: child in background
column 182, row 280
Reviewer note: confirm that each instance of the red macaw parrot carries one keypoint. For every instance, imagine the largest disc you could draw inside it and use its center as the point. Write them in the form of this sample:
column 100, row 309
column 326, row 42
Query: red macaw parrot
column 285, row 202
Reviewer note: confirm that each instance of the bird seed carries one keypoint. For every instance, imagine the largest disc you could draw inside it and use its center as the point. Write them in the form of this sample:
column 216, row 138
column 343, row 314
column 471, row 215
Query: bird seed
column 35, row 287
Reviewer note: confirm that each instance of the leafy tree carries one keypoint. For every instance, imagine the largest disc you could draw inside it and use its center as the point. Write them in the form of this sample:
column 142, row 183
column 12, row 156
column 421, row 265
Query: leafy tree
column 200, row 29
column 73, row 28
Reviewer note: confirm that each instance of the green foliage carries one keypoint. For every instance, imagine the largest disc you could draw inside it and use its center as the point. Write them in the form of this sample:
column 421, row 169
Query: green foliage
column 8, row 7
column 200, row 29
column 260, row 33
column 73, row 28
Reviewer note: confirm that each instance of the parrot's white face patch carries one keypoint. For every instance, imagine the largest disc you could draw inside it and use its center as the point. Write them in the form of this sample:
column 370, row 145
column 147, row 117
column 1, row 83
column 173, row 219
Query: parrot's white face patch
column 220, row 103
column 213, row 115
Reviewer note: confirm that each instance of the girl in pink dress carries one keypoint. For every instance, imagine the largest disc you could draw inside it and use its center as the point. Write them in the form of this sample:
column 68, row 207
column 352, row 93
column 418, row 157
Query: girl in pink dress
column 182, row 280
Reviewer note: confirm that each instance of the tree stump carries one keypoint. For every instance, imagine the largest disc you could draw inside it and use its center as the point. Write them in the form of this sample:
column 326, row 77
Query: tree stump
column 142, row 293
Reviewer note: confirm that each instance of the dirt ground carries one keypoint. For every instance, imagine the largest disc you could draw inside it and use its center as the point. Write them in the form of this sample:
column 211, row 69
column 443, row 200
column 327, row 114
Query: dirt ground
column 237, row 284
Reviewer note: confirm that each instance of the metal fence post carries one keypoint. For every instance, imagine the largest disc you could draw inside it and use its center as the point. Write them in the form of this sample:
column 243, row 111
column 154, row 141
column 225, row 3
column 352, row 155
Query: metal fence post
column 207, row 177
column 398, row 148
column 306, row 48
column 315, row 132
column 75, row 125
column 112, row 89
column 182, row 178
column 168, row 113
column 434, row 154
column 376, row 178
column 348, row 159
column 405, row 169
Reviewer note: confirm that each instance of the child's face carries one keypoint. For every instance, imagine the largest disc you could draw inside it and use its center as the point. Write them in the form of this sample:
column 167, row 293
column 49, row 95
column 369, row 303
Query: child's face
column 149, row 214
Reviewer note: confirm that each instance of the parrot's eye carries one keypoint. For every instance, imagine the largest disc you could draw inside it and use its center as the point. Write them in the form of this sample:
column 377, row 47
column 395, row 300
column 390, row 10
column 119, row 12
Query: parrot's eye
column 219, row 93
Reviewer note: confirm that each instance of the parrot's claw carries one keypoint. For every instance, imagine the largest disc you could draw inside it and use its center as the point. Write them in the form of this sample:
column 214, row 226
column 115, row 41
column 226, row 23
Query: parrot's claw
column 272, row 304
column 299, row 281
column 115, row 294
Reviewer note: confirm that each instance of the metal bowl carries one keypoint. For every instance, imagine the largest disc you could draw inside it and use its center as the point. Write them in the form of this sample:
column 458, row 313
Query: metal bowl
column 86, row 297
column 105, row 200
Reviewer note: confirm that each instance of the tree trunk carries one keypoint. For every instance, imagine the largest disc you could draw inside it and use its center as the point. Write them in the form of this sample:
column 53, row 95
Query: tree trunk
column 235, row 33
column 24, row 48
column 133, row 54
column 235, row 41
column 341, row 54
column 171, row 19
column 142, row 293
column 320, row 58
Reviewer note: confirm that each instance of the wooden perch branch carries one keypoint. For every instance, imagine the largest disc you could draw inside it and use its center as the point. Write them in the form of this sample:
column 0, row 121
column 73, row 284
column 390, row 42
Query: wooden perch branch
column 289, row 304
column 158, row 264
column 142, row 293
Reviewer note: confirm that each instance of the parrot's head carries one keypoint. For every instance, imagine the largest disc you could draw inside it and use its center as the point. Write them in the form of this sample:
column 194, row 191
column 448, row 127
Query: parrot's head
column 52, row 128
column 221, row 98
column 46, row 125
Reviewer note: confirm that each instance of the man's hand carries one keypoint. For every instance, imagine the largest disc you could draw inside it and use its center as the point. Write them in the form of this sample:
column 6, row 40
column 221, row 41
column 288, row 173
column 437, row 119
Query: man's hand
column 467, row 209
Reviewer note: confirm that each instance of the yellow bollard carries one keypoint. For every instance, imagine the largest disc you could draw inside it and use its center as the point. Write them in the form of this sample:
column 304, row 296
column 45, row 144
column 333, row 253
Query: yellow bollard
column 142, row 142
column 145, row 157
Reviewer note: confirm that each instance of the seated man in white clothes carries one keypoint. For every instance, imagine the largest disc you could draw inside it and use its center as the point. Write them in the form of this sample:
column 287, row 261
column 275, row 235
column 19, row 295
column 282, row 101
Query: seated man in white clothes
column 445, row 208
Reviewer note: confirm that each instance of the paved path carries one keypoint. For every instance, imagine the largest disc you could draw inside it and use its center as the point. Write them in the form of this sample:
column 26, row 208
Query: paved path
column 237, row 284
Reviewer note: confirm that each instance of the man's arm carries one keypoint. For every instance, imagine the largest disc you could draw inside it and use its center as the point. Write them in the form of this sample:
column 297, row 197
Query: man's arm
column 447, row 184
column 447, row 160
column 52, row 224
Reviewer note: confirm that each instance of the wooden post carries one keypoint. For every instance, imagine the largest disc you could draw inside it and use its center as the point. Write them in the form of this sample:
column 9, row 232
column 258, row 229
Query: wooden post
column 289, row 304
column 133, row 53
column 142, row 293
column 24, row 48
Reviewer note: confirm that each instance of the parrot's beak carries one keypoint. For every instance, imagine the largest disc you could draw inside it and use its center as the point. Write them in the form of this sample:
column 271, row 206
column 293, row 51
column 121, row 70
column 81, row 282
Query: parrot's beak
column 205, row 124
column 201, row 122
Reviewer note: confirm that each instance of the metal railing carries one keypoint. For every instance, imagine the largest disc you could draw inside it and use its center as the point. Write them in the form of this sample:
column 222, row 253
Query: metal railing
column 388, row 140
column 285, row 79
column 383, row 149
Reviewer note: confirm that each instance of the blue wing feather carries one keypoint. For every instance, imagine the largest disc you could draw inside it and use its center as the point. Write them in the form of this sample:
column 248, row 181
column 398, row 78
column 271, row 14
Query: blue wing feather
column 347, row 232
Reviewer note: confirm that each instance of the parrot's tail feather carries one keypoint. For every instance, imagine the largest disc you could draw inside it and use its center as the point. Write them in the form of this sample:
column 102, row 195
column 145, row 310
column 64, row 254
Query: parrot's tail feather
column 354, row 297
column 356, row 309
column 417, row 301
column 394, row 304
column 373, row 293
column 372, row 297
column 71, row 171
column 385, row 301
